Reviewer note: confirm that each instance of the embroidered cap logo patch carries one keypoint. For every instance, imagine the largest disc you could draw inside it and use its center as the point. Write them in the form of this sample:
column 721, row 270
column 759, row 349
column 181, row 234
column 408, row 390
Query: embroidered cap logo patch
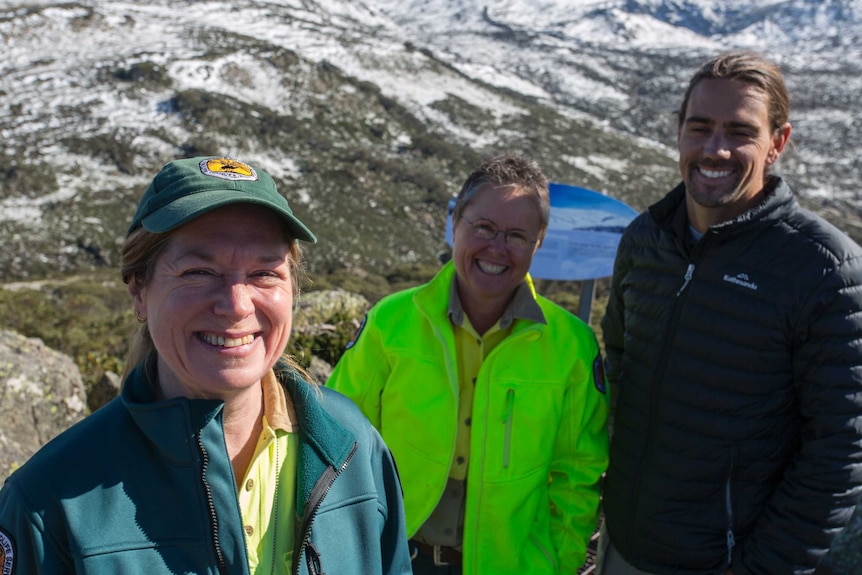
column 7, row 554
column 228, row 169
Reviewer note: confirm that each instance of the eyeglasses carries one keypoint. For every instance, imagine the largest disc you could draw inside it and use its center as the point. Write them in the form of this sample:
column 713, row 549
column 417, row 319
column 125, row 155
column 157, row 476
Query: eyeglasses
column 513, row 238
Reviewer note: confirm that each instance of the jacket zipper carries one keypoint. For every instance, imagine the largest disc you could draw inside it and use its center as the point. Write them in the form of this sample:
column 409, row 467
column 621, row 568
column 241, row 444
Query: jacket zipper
column 731, row 540
column 507, row 421
column 654, row 393
column 315, row 499
column 220, row 562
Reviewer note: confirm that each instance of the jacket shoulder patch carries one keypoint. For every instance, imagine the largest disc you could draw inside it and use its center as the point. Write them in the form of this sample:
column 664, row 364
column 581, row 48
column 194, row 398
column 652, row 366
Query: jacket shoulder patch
column 7, row 554
column 599, row 374
column 358, row 332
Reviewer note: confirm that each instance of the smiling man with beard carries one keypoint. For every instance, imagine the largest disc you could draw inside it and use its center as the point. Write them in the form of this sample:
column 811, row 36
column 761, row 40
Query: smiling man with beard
column 733, row 334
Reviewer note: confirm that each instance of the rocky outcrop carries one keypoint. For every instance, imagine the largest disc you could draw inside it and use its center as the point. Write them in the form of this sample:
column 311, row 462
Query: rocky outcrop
column 324, row 322
column 104, row 390
column 319, row 311
column 845, row 558
column 41, row 394
column 319, row 371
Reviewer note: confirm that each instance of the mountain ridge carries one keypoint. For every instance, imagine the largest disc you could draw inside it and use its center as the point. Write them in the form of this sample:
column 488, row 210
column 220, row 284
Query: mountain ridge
column 370, row 114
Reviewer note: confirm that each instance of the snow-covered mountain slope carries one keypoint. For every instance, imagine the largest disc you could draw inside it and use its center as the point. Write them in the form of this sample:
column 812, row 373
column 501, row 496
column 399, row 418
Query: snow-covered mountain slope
column 626, row 62
column 370, row 113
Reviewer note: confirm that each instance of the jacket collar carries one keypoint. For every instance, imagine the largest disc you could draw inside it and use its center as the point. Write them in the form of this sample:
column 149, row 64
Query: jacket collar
column 670, row 213
column 323, row 441
column 523, row 306
column 436, row 299
column 171, row 425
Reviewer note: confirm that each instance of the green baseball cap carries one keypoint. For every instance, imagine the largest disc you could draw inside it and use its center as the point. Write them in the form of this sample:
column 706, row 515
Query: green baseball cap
column 188, row 188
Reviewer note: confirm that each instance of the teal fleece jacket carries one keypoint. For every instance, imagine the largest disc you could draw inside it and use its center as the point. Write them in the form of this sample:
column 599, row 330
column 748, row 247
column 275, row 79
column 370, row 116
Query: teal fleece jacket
column 146, row 487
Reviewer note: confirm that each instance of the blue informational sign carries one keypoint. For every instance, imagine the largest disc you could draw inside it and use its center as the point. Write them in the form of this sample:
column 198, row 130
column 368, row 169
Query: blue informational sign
column 583, row 234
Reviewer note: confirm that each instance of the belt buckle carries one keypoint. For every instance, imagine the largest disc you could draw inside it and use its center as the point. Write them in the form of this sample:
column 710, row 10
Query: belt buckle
column 438, row 559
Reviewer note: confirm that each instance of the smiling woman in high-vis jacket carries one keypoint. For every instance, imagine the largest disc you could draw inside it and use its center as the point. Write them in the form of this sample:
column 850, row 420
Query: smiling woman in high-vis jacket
column 491, row 398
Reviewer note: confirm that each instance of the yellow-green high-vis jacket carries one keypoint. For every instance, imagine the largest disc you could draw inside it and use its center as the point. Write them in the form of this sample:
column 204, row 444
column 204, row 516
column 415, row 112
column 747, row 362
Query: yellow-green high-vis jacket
column 538, row 443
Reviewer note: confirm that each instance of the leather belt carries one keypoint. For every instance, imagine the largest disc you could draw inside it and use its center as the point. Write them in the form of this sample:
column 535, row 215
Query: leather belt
column 441, row 555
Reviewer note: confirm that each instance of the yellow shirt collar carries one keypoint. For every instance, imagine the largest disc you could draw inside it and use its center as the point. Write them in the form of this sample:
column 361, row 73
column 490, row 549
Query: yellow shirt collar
column 522, row 306
column 277, row 405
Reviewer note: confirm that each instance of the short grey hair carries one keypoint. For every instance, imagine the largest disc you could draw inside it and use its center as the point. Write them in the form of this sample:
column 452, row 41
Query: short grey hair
column 511, row 171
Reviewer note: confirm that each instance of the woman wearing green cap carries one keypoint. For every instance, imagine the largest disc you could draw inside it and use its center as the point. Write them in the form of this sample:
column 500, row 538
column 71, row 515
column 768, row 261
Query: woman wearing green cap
column 218, row 457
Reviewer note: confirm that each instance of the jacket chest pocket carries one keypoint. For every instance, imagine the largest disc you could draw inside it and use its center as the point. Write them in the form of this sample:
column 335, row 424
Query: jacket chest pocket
column 521, row 420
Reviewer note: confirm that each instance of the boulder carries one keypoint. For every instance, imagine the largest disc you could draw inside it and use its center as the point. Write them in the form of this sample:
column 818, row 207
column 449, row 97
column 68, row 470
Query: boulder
column 106, row 388
column 319, row 370
column 324, row 322
column 317, row 311
column 41, row 394
column 845, row 557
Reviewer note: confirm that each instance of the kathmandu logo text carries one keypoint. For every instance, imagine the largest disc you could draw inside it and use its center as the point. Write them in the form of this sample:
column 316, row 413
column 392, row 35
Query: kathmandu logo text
column 741, row 280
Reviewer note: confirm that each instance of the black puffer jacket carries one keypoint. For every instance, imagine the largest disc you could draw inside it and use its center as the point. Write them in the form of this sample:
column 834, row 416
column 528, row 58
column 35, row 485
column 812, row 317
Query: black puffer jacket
column 737, row 361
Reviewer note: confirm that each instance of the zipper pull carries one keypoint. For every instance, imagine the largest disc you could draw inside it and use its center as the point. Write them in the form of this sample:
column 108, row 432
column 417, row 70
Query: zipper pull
column 728, row 501
column 689, row 272
column 507, row 421
column 510, row 403
column 731, row 543
column 312, row 558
